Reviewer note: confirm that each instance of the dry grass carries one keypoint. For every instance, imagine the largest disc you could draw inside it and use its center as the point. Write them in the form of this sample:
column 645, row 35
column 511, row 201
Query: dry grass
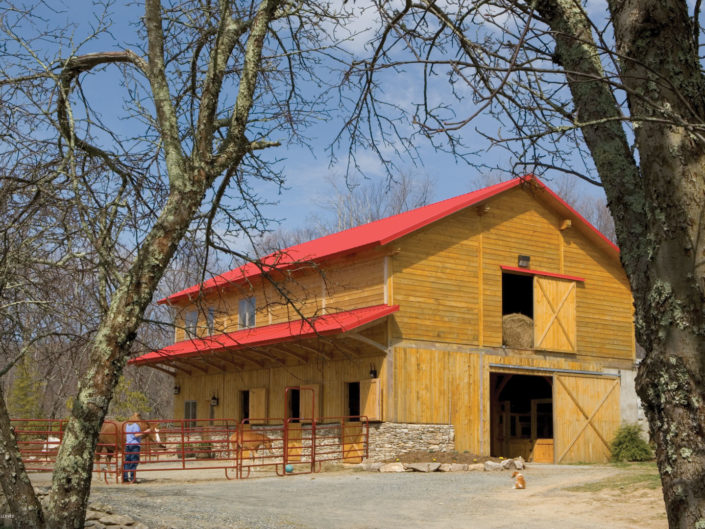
column 634, row 476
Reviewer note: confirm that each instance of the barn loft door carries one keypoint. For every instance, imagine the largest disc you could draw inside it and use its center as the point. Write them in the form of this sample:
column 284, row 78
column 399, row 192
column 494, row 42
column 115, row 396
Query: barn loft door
column 554, row 314
column 586, row 417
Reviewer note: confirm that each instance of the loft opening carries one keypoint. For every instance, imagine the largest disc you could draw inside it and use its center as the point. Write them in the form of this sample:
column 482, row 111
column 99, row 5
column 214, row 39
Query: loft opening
column 521, row 409
column 517, row 294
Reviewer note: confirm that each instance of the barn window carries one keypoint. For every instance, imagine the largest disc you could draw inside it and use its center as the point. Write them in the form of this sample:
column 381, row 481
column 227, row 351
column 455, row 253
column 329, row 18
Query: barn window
column 190, row 413
column 191, row 323
column 246, row 313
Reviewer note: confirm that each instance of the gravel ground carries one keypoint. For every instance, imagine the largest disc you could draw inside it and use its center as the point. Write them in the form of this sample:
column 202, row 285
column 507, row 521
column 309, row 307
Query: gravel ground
column 365, row 500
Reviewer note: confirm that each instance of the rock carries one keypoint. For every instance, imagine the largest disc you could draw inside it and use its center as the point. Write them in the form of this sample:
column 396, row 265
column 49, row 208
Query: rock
column 490, row 466
column 475, row 467
column 93, row 515
column 519, row 463
column 392, row 467
column 508, row 464
column 139, row 525
column 371, row 466
column 101, row 507
column 94, row 524
column 422, row 467
column 116, row 519
column 453, row 467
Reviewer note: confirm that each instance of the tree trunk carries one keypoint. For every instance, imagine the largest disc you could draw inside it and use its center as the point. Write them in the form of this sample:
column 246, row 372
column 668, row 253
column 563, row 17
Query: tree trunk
column 18, row 490
column 658, row 213
column 666, row 93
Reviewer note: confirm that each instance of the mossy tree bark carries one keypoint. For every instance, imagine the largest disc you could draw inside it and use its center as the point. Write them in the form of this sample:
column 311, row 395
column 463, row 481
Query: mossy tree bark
column 189, row 179
column 658, row 207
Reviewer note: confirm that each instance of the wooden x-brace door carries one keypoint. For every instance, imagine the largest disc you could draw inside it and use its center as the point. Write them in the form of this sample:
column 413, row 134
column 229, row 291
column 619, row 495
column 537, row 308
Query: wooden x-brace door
column 586, row 417
column 554, row 314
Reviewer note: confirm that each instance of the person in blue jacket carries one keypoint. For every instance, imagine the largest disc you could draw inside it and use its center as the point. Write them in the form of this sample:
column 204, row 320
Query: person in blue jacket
column 133, row 438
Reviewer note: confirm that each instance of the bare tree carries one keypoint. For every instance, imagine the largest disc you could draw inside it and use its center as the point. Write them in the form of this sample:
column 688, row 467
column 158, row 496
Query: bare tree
column 350, row 202
column 616, row 98
column 212, row 87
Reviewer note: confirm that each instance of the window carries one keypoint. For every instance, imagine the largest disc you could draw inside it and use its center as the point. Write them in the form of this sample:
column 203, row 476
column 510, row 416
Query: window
column 210, row 320
column 246, row 313
column 190, row 414
column 191, row 323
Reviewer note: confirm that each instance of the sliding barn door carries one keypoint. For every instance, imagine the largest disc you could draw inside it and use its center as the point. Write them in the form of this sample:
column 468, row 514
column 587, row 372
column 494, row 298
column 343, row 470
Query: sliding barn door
column 554, row 314
column 585, row 417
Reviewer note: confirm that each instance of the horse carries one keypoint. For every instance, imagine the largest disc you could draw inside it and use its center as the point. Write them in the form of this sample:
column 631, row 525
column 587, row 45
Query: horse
column 112, row 437
column 50, row 447
column 251, row 442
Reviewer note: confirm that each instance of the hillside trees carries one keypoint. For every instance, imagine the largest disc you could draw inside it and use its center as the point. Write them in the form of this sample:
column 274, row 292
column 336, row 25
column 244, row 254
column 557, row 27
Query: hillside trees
column 207, row 90
column 616, row 97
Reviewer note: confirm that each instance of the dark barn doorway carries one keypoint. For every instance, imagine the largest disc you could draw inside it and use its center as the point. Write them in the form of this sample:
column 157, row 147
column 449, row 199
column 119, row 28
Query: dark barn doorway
column 521, row 410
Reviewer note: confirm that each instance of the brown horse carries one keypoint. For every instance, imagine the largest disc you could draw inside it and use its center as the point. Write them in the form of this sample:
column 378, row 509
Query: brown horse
column 112, row 437
column 249, row 442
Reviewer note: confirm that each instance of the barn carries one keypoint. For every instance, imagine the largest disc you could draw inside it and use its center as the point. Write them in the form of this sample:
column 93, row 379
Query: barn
column 498, row 322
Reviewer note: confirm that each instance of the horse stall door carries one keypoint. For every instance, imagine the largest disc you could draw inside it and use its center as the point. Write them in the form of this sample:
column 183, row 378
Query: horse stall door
column 586, row 417
column 353, row 441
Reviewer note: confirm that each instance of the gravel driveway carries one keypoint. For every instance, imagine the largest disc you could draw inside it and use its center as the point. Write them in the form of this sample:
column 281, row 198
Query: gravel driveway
column 365, row 500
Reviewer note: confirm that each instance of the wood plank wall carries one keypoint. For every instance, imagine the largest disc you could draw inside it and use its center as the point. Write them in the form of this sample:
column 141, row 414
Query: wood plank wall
column 330, row 376
column 441, row 387
column 436, row 277
column 343, row 284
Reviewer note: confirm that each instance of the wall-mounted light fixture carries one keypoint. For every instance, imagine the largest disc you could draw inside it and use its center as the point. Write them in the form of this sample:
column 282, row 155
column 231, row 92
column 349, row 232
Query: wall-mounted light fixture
column 373, row 371
column 524, row 261
column 177, row 389
column 214, row 400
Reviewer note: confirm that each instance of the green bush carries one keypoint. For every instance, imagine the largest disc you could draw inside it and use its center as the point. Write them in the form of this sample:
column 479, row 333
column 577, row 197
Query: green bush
column 629, row 445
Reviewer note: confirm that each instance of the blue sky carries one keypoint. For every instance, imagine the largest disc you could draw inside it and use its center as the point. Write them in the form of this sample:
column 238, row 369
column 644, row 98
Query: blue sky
column 305, row 168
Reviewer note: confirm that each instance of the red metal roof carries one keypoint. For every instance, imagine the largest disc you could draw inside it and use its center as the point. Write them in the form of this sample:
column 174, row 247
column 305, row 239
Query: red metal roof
column 376, row 233
column 325, row 325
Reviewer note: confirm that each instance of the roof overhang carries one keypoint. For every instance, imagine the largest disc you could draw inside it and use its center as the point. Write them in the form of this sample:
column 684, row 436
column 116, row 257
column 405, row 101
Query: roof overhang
column 258, row 345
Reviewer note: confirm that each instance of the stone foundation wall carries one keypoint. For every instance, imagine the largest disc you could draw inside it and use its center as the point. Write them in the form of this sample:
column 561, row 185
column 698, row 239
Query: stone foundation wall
column 389, row 439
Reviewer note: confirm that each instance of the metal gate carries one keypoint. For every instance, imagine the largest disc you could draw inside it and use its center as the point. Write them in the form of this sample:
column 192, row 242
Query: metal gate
column 282, row 446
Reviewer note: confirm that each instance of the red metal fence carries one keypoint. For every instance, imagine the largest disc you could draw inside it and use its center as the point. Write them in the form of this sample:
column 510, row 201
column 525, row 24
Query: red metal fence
column 284, row 446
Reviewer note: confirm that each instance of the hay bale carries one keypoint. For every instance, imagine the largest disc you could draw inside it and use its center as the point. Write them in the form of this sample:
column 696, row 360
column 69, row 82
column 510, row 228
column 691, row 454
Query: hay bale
column 517, row 331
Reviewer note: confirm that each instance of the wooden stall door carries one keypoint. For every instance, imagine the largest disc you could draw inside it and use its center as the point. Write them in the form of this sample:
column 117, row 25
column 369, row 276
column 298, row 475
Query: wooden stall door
column 586, row 417
column 371, row 399
column 554, row 314
column 353, row 442
column 258, row 405
column 310, row 401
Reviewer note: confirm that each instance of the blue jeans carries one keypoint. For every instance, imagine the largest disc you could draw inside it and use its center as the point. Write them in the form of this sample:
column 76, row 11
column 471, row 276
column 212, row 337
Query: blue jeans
column 132, row 459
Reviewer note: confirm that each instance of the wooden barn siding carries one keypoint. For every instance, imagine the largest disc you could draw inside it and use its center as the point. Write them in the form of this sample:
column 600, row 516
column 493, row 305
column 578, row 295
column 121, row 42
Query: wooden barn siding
column 437, row 272
column 435, row 283
column 344, row 284
column 604, row 303
column 330, row 376
column 440, row 387
column 515, row 224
